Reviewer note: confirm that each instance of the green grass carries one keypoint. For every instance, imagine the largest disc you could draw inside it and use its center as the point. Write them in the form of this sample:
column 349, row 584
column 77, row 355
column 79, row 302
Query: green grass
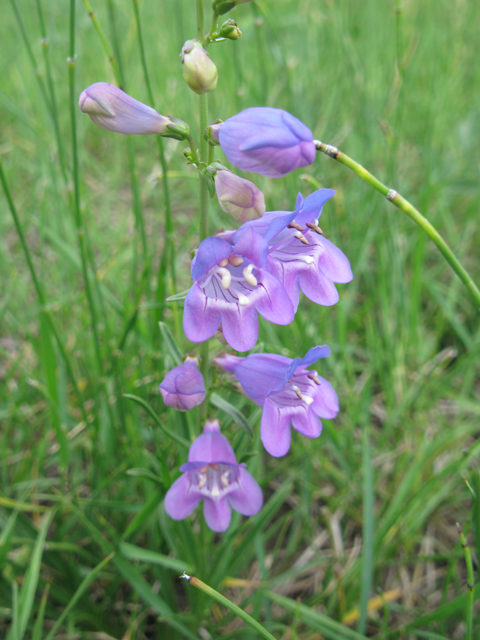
column 395, row 85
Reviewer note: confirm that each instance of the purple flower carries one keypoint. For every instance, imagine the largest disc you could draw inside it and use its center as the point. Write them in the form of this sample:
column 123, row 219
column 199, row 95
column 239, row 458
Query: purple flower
column 213, row 475
column 183, row 387
column 291, row 395
column 299, row 256
column 238, row 197
column 268, row 141
column 230, row 287
column 114, row 110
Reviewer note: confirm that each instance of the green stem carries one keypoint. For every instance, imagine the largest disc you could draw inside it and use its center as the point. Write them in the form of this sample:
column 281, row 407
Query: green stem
column 203, row 233
column 76, row 186
column 195, row 582
column 40, row 294
column 470, row 583
column 105, row 44
column 405, row 206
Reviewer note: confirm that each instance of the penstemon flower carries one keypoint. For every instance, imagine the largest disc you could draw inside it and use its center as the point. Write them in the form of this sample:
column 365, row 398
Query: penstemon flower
column 212, row 474
column 183, row 387
column 199, row 71
column 230, row 287
column 238, row 197
column 268, row 141
column 290, row 394
column 114, row 110
column 300, row 257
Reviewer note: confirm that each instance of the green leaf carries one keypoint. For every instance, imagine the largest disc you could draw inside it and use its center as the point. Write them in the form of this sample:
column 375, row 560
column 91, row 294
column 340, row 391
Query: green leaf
column 144, row 473
column 170, row 343
column 178, row 296
column 147, row 509
column 231, row 411
column 132, row 552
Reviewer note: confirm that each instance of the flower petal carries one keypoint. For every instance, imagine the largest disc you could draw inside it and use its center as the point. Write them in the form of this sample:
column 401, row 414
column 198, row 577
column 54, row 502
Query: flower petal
column 212, row 446
column 240, row 326
column 217, row 514
column 275, row 429
column 325, row 400
column 179, row 500
column 250, row 245
column 312, row 206
column 306, row 423
column 317, row 287
column 275, row 306
column 248, row 498
column 312, row 355
column 333, row 262
column 201, row 317
column 210, row 252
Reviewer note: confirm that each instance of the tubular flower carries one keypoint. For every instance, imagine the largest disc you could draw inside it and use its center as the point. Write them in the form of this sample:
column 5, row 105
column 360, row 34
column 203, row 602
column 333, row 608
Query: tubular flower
column 238, row 197
column 290, row 394
column 268, row 141
column 213, row 475
column 300, row 257
column 183, row 387
column 111, row 108
column 230, row 286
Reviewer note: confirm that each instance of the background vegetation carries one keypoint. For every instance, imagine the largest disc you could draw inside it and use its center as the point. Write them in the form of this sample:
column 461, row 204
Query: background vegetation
column 366, row 514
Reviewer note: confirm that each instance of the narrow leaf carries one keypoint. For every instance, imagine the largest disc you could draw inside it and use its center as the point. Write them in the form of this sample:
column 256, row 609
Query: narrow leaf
column 231, row 411
column 170, row 343
column 149, row 410
column 132, row 552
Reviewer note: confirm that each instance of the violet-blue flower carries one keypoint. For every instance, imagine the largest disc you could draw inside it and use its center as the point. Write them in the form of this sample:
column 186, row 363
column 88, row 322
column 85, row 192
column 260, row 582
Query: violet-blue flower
column 289, row 393
column 230, row 287
column 299, row 256
column 183, row 387
column 268, row 141
column 213, row 475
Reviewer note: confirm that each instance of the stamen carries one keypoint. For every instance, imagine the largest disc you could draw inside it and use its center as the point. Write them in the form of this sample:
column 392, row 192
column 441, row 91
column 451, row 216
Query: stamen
column 307, row 259
column 223, row 263
column 315, row 227
column 313, row 376
column 302, row 238
column 308, row 400
column 226, row 277
column 203, row 480
column 224, row 478
column 297, row 391
column 243, row 300
column 235, row 261
column 294, row 225
column 248, row 275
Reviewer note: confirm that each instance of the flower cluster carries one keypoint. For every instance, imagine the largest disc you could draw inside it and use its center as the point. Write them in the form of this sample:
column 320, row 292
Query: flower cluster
column 257, row 269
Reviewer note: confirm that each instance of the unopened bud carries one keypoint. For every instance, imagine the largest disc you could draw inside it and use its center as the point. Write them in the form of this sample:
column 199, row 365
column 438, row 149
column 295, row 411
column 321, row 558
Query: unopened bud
column 199, row 72
column 111, row 108
column 177, row 129
column 224, row 6
column 212, row 131
column 229, row 30
column 238, row 197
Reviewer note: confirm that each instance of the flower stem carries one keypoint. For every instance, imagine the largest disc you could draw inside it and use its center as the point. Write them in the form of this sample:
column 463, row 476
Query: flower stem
column 470, row 583
column 405, row 206
column 195, row 582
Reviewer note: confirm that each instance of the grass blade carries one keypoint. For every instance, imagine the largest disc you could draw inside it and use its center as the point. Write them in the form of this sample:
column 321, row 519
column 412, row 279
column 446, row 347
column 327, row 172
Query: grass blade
column 149, row 410
column 132, row 552
column 231, row 411
column 368, row 533
column 170, row 343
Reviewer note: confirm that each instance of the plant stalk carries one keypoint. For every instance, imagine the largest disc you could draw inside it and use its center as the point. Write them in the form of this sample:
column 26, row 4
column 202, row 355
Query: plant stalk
column 470, row 583
column 405, row 206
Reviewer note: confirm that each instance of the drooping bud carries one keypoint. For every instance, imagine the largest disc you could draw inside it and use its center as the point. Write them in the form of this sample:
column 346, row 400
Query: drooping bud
column 114, row 110
column 199, row 72
column 230, row 30
column 238, row 197
column 211, row 134
column 183, row 387
column 268, row 141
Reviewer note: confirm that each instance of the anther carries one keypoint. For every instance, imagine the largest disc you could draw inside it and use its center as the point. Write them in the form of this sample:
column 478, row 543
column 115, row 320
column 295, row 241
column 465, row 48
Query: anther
column 243, row 300
column 235, row 261
column 302, row 238
column 308, row 401
column 226, row 277
column 307, row 259
column 315, row 227
column 248, row 275
column 313, row 376
column 224, row 478
column 297, row 391
column 202, row 481
column 223, row 263
column 294, row 225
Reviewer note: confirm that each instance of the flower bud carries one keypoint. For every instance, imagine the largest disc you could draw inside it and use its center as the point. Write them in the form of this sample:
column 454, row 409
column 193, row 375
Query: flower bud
column 238, row 197
column 229, row 30
column 199, row 72
column 212, row 131
column 183, row 387
column 224, row 6
column 114, row 110
column 268, row 141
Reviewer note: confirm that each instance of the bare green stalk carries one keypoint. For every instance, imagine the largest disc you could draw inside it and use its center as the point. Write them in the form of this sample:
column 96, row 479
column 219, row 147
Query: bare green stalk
column 405, row 206
column 470, row 583
column 195, row 582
